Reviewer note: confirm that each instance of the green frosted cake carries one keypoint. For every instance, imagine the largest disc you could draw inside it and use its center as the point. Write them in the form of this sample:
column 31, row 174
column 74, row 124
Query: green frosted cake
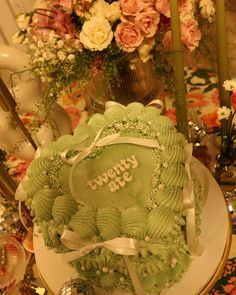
column 121, row 175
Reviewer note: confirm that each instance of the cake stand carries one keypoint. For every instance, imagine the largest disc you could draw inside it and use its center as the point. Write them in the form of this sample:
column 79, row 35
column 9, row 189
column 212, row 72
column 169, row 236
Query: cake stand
column 204, row 270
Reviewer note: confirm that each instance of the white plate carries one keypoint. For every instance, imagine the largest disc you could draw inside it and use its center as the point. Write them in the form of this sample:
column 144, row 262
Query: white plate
column 214, row 238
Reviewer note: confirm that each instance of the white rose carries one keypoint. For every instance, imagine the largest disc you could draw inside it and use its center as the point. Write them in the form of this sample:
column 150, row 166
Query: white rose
column 113, row 12
column 99, row 7
column 207, row 9
column 23, row 20
column 18, row 37
column 96, row 33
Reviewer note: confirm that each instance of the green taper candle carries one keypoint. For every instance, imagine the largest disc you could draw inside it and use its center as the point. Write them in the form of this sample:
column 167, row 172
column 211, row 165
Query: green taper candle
column 222, row 52
column 7, row 185
column 178, row 70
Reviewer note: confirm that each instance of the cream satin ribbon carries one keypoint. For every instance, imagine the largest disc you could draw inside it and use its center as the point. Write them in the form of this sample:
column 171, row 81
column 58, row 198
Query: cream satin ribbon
column 189, row 204
column 112, row 139
column 121, row 246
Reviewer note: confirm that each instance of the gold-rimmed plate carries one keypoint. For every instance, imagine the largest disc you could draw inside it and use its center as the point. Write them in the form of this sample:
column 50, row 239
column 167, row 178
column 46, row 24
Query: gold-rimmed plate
column 204, row 270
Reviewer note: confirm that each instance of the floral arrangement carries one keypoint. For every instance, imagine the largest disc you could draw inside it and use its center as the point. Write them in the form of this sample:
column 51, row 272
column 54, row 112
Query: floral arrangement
column 226, row 116
column 72, row 40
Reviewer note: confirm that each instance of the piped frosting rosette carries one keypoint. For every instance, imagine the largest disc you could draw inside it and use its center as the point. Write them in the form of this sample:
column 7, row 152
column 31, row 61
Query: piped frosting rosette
column 121, row 175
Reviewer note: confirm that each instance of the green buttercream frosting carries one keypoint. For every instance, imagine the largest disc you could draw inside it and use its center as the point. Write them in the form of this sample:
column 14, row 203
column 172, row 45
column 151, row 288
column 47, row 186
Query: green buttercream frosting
column 97, row 122
column 43, row 202
column 83, row 222
column 103, row 190
column 134, row 222
column 63, row 208
column 108, row 222
column 115, row 114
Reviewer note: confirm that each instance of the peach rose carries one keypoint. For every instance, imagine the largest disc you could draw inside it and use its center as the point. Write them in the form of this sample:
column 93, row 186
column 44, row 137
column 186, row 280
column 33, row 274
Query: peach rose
column 131, row 7
column 147, row 22
column 163, row 7
column 190, row 34
column 128, row 36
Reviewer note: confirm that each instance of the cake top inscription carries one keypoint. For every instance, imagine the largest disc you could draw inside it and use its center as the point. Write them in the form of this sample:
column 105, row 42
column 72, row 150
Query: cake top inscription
column 115, row 177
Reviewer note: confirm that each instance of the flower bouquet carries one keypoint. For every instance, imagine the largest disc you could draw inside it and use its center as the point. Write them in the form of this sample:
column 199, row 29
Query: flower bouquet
column 228, row 131
column 75, row 40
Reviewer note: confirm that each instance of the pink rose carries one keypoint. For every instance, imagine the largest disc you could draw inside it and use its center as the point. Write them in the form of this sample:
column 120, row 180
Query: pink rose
column 186, row 7
column 128, row 36
column 131, row 7
column 163, row 7
column 190, row 34
column 147, row 22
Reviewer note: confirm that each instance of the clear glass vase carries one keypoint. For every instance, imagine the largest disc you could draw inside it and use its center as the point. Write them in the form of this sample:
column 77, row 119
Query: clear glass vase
column 140, row 84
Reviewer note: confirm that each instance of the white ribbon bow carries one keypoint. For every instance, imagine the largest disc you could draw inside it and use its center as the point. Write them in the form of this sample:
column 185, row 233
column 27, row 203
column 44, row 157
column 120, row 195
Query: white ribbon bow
column 115, row 138
column 189, row 204
column 122, row 246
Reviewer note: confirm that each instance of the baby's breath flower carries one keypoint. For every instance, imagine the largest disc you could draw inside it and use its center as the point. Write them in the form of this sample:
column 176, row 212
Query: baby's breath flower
column 52, row 38
column 61, row 54
column 40, row 44
column 71, row 57
column 77, row 43
column 207, row 9
column 223, row 113
column 230, row 85
column 60, row 44
column 41, row 59
column 47, row 55
column 32, row 46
